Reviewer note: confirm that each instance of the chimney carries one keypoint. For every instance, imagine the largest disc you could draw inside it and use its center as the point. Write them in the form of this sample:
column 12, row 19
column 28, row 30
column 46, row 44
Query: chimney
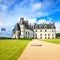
column 21, row 20
column 26, row 22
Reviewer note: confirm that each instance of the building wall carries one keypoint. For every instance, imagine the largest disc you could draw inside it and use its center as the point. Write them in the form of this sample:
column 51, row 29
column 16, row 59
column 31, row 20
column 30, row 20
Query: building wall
column 49, row 34
column 16, row 34
column 28, row 33
column 22, row 31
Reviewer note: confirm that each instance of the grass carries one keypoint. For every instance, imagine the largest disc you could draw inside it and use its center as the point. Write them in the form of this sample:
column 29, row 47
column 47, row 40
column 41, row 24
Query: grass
column 55, row 41
column 12, row 49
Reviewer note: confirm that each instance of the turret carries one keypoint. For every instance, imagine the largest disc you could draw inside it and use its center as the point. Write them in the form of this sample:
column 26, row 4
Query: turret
column 21, row 20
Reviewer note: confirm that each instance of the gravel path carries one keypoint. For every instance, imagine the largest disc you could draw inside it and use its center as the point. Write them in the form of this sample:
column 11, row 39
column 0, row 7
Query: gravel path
column 39, row 50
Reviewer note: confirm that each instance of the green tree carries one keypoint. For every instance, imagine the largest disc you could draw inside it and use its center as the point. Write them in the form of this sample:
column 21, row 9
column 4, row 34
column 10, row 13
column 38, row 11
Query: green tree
column 57, row 35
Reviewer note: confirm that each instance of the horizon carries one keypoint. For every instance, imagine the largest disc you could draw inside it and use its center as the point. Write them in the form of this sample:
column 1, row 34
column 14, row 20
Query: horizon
column 35, row 11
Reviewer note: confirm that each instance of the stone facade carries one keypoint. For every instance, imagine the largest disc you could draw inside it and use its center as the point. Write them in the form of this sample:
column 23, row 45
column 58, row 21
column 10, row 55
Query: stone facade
column 44, row 31
column 22, row 30
column 40, row 31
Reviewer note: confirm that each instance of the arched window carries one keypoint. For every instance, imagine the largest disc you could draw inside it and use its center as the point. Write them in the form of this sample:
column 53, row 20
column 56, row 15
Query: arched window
column 45, row 37
column 45, row 34
column 40, row 34
column 40, row 37
column 48, row 34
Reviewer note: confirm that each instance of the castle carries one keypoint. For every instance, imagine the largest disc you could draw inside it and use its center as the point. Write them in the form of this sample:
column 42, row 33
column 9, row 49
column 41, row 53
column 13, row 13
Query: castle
column 40, row 31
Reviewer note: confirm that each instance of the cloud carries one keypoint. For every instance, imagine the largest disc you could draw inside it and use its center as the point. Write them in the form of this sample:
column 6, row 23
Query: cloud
column 44, row 21
column 0, row 0
column 3, row 7
column 1, row 24
column 31, row 21
column 36, row 6
column 12, row 10
column 9, row 23
column 57, row 26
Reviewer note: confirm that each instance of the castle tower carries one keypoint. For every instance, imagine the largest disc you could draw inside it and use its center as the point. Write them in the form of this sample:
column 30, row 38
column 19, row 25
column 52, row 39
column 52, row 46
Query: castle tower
column 21, row 20
column 22, row 27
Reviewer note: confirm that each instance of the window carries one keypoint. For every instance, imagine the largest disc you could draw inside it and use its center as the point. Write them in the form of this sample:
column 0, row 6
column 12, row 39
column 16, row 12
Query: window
column 45, row 37
column 52, row 34
column 52, row 37
column 26, row 33
column 40, row 34
column 45, row 34
column 48, row 34
column 40, row 37
column 48, row 37
column 45, row 30
column 40, row 30
column 45, row 26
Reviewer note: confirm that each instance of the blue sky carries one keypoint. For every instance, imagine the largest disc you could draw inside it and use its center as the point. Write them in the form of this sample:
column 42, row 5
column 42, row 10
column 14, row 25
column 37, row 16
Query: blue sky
column 33, row 10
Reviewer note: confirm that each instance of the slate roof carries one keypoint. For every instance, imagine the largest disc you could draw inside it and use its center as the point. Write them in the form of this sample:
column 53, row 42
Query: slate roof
column 43, row 26
column 16, row 28
column 27, row 26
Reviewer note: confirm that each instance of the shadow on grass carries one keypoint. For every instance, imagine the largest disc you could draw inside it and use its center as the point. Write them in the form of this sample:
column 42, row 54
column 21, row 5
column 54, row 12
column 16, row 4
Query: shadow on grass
column 15, row 39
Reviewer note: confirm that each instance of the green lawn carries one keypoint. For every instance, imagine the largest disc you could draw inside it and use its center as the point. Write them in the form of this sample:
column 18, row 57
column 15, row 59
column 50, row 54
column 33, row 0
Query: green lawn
column 55, row 41
column 12, row 49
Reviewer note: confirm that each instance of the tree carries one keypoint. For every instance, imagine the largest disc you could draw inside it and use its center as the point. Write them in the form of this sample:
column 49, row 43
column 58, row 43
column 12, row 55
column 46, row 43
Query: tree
column 57, row 35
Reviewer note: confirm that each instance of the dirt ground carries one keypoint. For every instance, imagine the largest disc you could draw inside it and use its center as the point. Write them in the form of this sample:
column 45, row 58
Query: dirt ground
column 39, row 50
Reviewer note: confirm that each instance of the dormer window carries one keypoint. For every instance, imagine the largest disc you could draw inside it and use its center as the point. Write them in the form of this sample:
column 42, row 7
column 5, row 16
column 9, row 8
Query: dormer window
column 40, row 30
column 45, row 26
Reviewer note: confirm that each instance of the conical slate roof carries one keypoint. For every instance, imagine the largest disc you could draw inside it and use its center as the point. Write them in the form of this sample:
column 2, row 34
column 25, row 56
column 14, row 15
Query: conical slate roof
column 16, row 28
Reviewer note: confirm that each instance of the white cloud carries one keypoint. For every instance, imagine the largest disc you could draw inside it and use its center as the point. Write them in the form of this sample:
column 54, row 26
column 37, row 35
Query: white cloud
column 40, row 14
column 32, row 11
column 57, row 26
column 31, row 21
column 3, row 7
column 36, row 6
column 1, row 24
column 44, row 21
column 4, row 24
